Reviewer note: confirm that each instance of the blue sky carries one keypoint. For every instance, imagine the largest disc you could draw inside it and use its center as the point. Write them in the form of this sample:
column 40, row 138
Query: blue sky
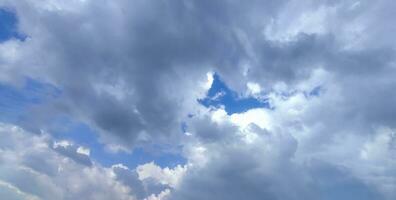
column 220, row 95
column 8, row 22
column 15, row 102
column 16, row 99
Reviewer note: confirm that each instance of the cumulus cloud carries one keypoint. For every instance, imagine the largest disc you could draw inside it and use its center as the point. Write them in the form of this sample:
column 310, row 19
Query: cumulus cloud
column 78, row 154
column 133, row 71
column 134, row 77
column 274, row 155
column 117, row 88
column 34, row 167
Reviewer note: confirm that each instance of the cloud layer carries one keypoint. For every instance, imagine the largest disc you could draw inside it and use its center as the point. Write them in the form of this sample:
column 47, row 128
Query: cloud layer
column 134, row 72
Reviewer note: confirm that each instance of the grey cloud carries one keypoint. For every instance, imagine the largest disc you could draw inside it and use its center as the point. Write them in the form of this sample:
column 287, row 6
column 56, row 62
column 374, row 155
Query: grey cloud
column 72, row 152
column 40, row 163
column 130, row 69
column 131, row 179
column 140, row 188
column 269, row 169
column 30, row 168
column 158, row 50
column 208, row 131
column 334, row 182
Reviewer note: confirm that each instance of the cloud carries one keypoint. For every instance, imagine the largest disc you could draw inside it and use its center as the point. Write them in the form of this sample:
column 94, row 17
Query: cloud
column 31, row 166
column 164, row 176
column 133, row 71
column 302, row 146
column 115, row 64
column 34, row 167
column 77, row 153
column 276, row 161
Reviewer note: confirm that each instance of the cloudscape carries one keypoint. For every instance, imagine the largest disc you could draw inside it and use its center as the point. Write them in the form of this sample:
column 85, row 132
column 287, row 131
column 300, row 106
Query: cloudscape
column 197, row 100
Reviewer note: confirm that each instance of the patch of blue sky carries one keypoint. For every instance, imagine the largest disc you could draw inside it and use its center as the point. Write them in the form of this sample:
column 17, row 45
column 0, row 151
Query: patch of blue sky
column 8, row 26
column 220, row 94
column 15, row 100
column 83, row 135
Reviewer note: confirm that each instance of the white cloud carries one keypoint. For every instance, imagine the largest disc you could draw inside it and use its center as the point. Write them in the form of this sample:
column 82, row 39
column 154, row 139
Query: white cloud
column 164, row 176
column 28, row 158
column 268, row 140
column 63, row 143
column 53, row 174
column 209, row 82
column 254, row 88
column 133, row 71
column 161, row 196
column 82, row 150
column 10, row 191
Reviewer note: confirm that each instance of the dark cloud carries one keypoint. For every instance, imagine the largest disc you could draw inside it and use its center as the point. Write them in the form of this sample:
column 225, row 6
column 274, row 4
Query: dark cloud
column 268, row 168
column 71, row 151
column 153, row 53
column 140, row 188
column 133, row 71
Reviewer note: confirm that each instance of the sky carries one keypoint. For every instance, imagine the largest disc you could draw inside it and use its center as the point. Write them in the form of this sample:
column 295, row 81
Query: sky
column 192, row 100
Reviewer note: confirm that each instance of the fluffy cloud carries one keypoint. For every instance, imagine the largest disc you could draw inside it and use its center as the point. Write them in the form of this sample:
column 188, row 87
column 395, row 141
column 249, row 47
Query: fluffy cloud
column 133, row 77
column 117, row 88
column 30, row 165
column 133, row 71
column 274, row 154
column 34, row 167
